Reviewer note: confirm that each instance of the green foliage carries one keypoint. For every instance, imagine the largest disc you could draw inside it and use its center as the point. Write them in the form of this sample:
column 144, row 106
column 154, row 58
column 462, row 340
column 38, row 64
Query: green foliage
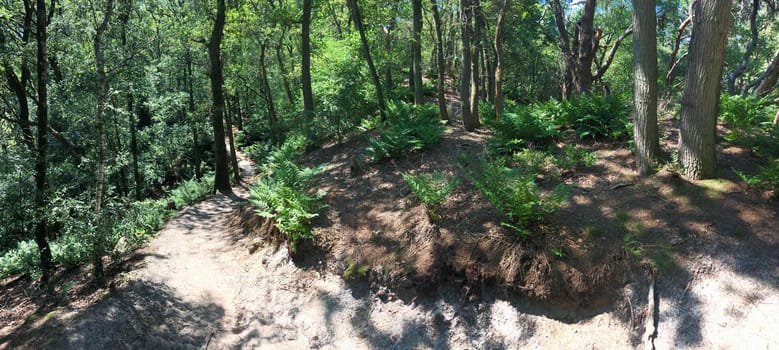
column 23, row 259
column 514, row 194
column 531, row 161
column 192, row 191
column 745, row 113
column 408, row 128
column 767, row 178
column 431, row 189
column 520, row 127
column 284, row 194
column 574, row 157
column 597, row 116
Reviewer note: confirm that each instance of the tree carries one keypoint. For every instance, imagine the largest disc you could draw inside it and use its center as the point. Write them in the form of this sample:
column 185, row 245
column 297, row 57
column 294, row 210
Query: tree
column 753, row 33
column 366, row 52
column 439, row 48
column 470, row 121
column 499, row 58
column 102, row 97
column 305, row 66
column 645, row 88
column 697, row 132
column 221, row 176
column 579, row 51
column 416, row 51
column 41, row 184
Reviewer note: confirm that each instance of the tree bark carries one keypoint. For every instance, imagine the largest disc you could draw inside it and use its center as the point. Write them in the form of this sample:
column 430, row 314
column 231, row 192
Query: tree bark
column 697, row 132
column 645, row 134
column 272, row 118
column 366, row 52
column 41, row 183
column 475, row 62
column 305, row 52
column 742, row 67
column 134, row 144
column 766, row 82
column 196, row 157
column 499, row 58
column 439, row 44
column 221, row 173
column 231, row 141
column 283, row 71
column 465, row 77
column 18, row 85
column 416, row 51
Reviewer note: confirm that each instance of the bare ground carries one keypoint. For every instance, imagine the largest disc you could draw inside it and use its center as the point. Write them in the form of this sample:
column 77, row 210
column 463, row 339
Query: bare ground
column 460, row 283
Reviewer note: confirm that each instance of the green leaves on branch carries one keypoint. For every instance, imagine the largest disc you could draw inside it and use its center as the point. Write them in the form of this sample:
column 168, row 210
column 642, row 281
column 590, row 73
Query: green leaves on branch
column 408, row 128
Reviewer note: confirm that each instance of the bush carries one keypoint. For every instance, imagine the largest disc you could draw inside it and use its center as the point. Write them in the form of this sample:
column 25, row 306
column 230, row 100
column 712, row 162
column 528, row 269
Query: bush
column 523, row 126
column 514, row 194
column 767, row 178
column 284, row 195
column 573, row 157
column 745, row 113
column 597, row 116
column 431, row 189
column 408, row 128
column 192, row 191
column 24, row 259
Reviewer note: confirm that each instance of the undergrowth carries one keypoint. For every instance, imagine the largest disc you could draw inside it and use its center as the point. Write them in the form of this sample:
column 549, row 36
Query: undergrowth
column 431, row 189
column 408, row 128
column 284, row 194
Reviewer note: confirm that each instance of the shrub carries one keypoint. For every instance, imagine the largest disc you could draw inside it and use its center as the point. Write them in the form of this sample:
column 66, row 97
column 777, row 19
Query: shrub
column 514, row 194
column 192, row 191
column 24, row 259
column 597, row 116
column 745, row 113
column 284, row 194
column 431, row 189
column 518, row 128
column 767, row 178
column 408, row 128
column 573, row 157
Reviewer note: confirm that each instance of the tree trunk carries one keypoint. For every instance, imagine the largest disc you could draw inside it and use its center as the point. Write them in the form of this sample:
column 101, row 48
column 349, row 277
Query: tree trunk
column 469, row 122
column 221, row 176
column 196, row 158
column 416, row 51
column 645, row 134
column 697, row 132
column 41, row 184
column 305, row 52
column 766, row 82
column 357, row 18
column 742, row 67
column 231, row 141
column 272, row 117
column 475, row 62
column 18, row 85
column 499, row 58
column 439, row 44
column 134, row 144
column 587, row 47
column 102, row 96
column 283, row 71
column 239, row 111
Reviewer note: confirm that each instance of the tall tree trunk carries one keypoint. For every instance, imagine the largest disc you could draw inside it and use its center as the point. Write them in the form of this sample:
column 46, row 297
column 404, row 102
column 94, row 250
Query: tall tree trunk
column 416, row 51
column 102, row 98
column 475, row 64
column 272, row 118
column 469, row 122
column 645, row 89
column 41, row 184
column 221, row 176
column 134, row 144
column 239, row 111
column 766, row 82
column 439, row 45
column 305, row 67
column 697, row 132
column 18, row 85
column 587, row 48
column 388, row 84
column 742, row 67
column 283, row 71
column 499, row 58
column 366, row 52
column 196, row 157
column 231, row 141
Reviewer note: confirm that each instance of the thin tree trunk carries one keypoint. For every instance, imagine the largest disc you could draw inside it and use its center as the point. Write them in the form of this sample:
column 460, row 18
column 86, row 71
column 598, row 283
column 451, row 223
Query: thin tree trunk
column 366, row 52
column 697, row 132
column 231, row 141
column 238, row 111
column 499, row 58
column 41, row 184
column 196, row 158
column 476, row 54
column 283, row 70
column 766, row 82
column 439, row 44
column 645, row 134
column 272, row 118
column 416, row 51
column 742, row 67
column 18, row 85
column 221, row 173
column 134, row 145
column 102, row 96
column 465, row 77
column 305, row 52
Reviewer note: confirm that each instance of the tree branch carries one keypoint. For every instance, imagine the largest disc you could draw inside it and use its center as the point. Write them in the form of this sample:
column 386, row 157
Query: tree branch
column 602, row 70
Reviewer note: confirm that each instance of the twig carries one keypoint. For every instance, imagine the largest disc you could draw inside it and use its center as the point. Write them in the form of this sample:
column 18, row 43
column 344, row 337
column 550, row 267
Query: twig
column 618, row 186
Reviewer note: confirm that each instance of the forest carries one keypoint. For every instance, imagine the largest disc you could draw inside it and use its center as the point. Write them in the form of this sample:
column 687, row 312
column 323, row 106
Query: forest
column 543, row 148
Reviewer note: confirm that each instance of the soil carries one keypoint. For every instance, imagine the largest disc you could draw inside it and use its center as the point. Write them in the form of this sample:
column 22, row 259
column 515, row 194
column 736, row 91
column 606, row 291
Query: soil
column 659, row 262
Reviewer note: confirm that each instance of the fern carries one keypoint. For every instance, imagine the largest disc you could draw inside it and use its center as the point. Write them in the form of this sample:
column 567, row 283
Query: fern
column 431, row 189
